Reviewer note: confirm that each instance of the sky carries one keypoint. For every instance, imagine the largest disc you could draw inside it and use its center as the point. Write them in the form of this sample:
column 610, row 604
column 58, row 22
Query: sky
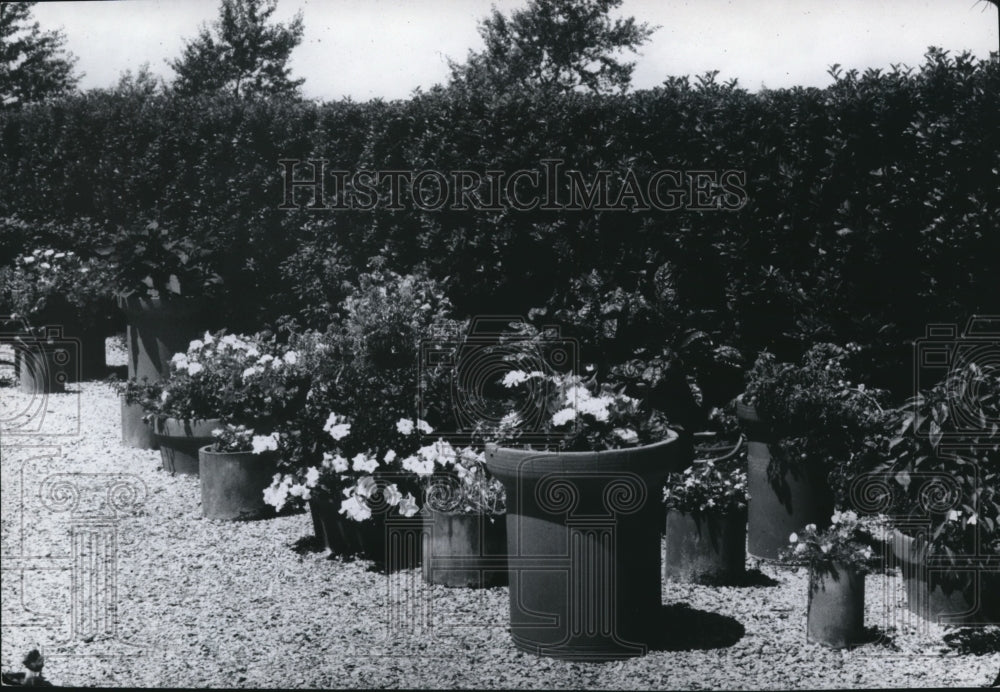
column 386, row 48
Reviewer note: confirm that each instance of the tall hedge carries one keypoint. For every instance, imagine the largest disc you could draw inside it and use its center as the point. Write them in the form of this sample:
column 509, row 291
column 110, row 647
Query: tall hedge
column 872, row 206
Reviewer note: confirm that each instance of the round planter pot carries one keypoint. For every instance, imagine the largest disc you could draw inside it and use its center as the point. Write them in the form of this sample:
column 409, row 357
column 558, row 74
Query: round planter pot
column 136, row 432
column 776, row 509
column 157, row 329
column 705, row 547
column 392, row 544
column 932, row 595
column 180, row 441
column 583, row 545
column 41, row 366
column 464, row 549
column 233, row 484
column 836, row 611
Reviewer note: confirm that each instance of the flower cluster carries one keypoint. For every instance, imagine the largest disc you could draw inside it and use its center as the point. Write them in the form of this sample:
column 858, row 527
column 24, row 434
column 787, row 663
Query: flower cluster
column 239, row 438
column 849, row 540
column 251, row 381
column 573, row 413
column 456, row 480
column 706, row 487
column 51, row 285
column 368, row 492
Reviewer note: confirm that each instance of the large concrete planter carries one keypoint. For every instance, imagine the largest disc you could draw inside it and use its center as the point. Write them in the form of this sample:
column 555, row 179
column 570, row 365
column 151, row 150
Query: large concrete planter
column 778, row 507
column 233, row 484
column 157, row 329
column 836, row 610
column 583, row 544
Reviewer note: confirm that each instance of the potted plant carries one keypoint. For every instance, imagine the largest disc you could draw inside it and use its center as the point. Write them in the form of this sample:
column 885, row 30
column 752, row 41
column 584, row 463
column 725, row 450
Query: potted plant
column 49, row 290
column 838, row 559
column 706, row 519
column 222, row 378
column 465, row 537
column 137, row 431
column 583, row 517
column 939, row 459
column 166, row 279
column 806, row 424
column 234, row 471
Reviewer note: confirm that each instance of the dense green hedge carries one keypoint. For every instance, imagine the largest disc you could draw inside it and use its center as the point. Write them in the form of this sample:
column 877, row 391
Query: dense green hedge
column 872, row 206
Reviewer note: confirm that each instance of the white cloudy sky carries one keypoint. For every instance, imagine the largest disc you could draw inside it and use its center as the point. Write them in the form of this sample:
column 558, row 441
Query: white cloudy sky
column 386, row 48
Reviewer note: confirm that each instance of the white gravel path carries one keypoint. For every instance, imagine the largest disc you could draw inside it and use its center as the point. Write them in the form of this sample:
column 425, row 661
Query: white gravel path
column 203, row 603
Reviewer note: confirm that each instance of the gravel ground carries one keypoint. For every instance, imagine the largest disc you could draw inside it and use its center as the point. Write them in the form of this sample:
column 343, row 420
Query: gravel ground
column 205, row 603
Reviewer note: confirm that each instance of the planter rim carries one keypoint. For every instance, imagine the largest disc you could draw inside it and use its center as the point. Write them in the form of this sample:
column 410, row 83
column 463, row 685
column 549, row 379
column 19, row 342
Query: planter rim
column 163, row 425
column 581, row 456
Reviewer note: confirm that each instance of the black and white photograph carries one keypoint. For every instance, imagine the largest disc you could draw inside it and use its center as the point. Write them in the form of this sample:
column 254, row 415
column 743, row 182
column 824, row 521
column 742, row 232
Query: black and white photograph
column 500, row 344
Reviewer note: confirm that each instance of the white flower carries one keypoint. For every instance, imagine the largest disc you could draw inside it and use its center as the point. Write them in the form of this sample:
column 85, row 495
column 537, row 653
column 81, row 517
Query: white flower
column 794, row 538
column 250, row 372
column 28, row 260
column 337, row 426
column 194, row 368
column 195, row 345
column 564, row 416
column 264, row 359
column 627, row 435
column 59, row 255
column 179, row 360
column 392, row 495
column 164, row 396
column 252, row 352
column 366, row 486
column 514, row 378
column 355, row 509
column 45, row 265
column 423, row 427
column 291, row 357
column 811, row 527
column 404, row 426
column 390, row 456
column 49, row 253
column 265, row 443
column 510, row 420
column 208, row 338
column 363, row 463
column 408, row 505
column 954, row 515
column 421, row 467
column 312, row 477
column 336, row 462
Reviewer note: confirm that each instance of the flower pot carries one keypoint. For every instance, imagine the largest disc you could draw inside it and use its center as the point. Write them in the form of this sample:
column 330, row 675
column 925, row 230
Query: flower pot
column 705, row 547
column 180, row 441
column 776, row 508
column 157, row 329
column 136, row 432
column 836, row 610
column 583, row 545
column 932, row 591
column 233, row 484
column 41, row 365
column 464, row 549
column 392, row 543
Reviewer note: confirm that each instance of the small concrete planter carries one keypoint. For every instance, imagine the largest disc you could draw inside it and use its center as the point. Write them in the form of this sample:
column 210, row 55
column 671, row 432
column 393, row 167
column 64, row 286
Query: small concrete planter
column 136, row 432
column 836, row 606
column 705, row 547
column 392, row 543
column 180, row 441
column 465, row 549
column 233, row 484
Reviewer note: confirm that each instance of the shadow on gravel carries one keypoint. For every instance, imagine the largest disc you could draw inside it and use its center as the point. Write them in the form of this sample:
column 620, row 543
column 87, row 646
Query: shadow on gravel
column 977, row 641
column 685, row 628
column 308, row 544
column 876, row 636
column 750, row 578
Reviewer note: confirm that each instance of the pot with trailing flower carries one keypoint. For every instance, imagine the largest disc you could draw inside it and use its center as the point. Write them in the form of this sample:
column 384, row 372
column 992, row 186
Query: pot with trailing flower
column 583, row 516
column 838, row 559
column 233, row 473
column 805, row 425
column 706, row 520
column 465, row 531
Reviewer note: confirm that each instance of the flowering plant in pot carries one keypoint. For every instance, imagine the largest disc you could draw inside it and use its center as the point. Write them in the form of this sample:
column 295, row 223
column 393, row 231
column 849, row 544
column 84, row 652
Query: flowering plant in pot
column 706, row 520
column 838, row 558
column 807, row 427
column 61, row 289
column 937, row 465
column 587, row 450
column 252, row 381
column 234, row 470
